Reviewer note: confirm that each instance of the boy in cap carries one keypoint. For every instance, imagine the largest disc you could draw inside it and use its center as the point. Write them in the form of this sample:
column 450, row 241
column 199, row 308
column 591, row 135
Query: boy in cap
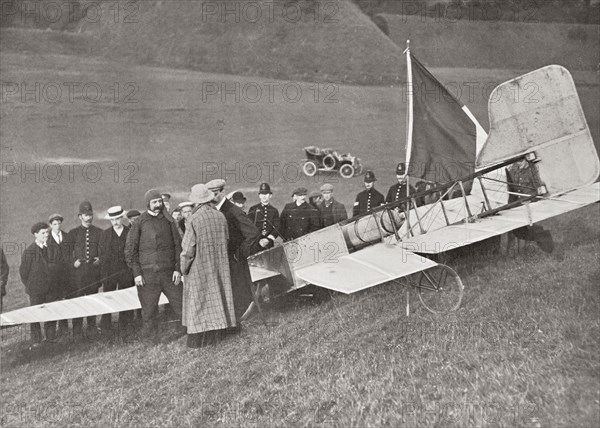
column 330, row 210
column 36, row 278
column 265, row 217
column 59, row 266
column 152, row 252
column 116, row 275
column 186, row 208
column 85, row 260
column 399, row 190
column 369, row 198
column 166, row 197
column 298, row 217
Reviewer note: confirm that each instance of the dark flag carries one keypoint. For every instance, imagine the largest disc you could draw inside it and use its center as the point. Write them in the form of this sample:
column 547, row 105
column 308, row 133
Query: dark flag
column 444, row 137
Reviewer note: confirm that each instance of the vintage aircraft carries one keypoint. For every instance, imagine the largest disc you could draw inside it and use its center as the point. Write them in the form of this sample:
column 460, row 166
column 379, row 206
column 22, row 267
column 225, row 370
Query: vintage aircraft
column 545, row 141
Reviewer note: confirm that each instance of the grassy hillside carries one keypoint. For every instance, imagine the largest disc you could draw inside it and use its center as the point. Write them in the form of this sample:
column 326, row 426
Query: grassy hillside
column 481, row 44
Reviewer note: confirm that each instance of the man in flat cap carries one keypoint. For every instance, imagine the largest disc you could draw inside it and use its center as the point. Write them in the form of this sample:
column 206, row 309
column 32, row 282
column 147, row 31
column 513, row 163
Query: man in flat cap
column 132, row 215
column 185, row 208
column 166, row 197
column 330, row 210
column 369, row 198
column 398, row 191
column 152, row 252
column 299, row 217
column 243, row 241
column 85, row 260
column 208, row 305
column 265, row 217
column 36, row 278
column 59, row 266
column 116, row 275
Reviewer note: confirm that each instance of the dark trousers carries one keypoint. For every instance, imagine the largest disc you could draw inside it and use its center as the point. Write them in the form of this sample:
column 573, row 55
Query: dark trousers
column 149, row 295
column 62, row 286
column 50, row 326
column 240, row 286
column 87, row 279
column 117, row 281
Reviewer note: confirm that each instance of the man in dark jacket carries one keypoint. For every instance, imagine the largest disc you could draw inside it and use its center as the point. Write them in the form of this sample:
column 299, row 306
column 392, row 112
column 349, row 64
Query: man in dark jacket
column 35, row 275
column 330, row 210
column 152, row 252
column 369, row 198
column 299, row 218
column 265, row 217
column 399, row 190
column 59, row 257
column 116, row 275
column 85, row 259
column 243, row 241
column 3, row 275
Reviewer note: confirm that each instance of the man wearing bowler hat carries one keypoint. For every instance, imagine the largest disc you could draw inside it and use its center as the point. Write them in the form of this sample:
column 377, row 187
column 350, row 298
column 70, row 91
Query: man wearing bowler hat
column 399, row 190
column 239, row 200
column 85, row 260
column 116, row 275
column 152, row 252
column 243, row 241
column 330, row 210
column 369, row 198
column 299, row 217
column 265, row 217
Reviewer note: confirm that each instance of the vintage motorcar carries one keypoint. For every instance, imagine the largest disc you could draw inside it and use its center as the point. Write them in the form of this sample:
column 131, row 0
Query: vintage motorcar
column 318, row 159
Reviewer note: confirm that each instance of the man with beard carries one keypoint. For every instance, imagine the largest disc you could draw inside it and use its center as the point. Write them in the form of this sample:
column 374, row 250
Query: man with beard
column 116, row 274
column 152, row 252
column 369, row 198
column 208, row 308
column 265, row 217
column 330, row 210
column 298, row 217
column 85, row 259
column 243, row 240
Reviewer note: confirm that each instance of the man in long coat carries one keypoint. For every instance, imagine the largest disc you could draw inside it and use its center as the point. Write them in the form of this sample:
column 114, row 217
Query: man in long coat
column 243, row 241
column 208, row 307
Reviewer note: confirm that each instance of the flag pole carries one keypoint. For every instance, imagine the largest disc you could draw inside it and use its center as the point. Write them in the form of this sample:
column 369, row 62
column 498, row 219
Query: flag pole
column 409, row 113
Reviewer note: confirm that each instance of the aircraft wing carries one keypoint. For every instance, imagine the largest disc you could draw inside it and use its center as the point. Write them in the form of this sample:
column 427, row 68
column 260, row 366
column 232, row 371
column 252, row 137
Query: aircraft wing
column 366, row 268
column 459, row 235
column 95, row 304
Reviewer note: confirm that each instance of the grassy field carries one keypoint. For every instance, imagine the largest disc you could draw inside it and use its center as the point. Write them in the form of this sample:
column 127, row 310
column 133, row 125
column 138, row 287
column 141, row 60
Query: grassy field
column 522, row 350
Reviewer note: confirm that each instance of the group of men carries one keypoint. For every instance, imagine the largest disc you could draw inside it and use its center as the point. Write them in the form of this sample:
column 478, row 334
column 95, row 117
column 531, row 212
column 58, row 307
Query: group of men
column 206, row 250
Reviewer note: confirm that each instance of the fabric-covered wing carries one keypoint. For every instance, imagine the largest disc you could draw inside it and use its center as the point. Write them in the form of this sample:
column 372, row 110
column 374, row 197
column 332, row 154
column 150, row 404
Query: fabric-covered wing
column 365, row 268
column 95, row 304
column 258, row 273
column 459, row 235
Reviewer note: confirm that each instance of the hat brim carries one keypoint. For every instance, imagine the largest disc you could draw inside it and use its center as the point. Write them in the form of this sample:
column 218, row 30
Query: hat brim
column 109, row 217
column 198, row 200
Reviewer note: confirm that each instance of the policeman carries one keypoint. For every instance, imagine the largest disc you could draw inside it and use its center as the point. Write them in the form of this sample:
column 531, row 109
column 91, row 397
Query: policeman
column 369, row 198
column 265, row 217
column 299, row 218
column 398, row 191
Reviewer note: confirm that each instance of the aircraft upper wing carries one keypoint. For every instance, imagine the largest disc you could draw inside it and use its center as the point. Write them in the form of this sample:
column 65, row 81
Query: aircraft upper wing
column 459, row 235
column 94, row 304
column 366, row 268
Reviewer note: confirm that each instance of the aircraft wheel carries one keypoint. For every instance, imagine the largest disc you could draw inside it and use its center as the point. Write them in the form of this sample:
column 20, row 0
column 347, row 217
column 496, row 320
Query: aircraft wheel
column 347, row 171
column 309, row 168
column 328, row 162
column 440, row 289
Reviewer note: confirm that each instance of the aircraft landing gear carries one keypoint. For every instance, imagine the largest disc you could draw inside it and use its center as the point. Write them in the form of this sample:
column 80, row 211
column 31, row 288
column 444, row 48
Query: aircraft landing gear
column 440, row 289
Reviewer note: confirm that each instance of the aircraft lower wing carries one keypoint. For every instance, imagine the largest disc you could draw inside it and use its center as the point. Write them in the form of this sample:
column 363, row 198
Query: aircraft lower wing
column 95, row 304
column 366, row 268
column 463, row 234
